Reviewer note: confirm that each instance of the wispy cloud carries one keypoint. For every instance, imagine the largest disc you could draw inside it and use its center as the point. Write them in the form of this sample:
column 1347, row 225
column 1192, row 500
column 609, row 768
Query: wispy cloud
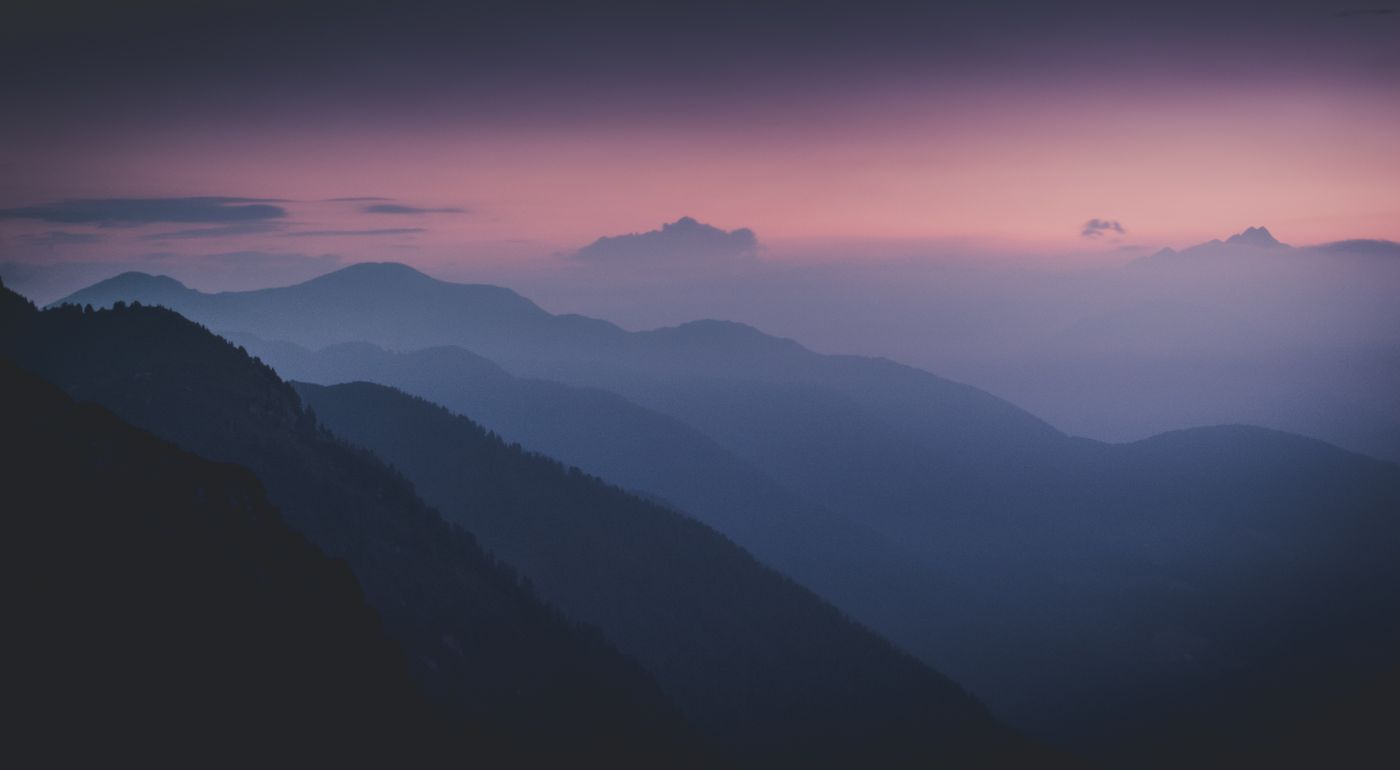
column 139, row 211
column 246, row 228
column 59, row 238
column 398, row 208
column 379, row 231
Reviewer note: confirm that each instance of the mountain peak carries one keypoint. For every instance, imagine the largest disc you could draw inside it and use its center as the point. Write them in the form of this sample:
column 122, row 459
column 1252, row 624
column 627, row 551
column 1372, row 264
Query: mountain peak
column 1259, row 237
column 378, row 271
column 135, row 278
column 153, row 289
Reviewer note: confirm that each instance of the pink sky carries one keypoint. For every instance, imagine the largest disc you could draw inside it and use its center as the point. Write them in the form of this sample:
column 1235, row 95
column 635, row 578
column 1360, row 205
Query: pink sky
column 1003, row 169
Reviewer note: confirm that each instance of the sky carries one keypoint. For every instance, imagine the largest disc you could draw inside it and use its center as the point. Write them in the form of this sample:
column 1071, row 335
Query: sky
column 252, row 143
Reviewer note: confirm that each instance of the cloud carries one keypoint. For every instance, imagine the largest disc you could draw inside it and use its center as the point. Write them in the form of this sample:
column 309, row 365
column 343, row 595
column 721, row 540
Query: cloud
column 379, row 231
column 397, row 208
column 1362, row 246
column 109, row 212
column 357, row 199
column 59, row 238
column 245, row 228
column 1097, row 227
column 682, row 241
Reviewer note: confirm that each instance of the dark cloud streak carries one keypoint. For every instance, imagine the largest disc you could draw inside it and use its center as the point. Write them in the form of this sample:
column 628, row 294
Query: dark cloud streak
column 398, row 208
column 337, row 233
column 249, row 228
column 110, row 212
column 60, row 238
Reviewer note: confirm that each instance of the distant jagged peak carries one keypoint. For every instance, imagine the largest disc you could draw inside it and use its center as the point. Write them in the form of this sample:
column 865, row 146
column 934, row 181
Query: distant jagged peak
column 1256, row 237
column 1251, row 238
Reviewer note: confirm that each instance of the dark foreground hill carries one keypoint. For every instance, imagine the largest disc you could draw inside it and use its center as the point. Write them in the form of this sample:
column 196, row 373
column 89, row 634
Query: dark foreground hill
column 496, row 663
column 158, row 608
column 749, row 656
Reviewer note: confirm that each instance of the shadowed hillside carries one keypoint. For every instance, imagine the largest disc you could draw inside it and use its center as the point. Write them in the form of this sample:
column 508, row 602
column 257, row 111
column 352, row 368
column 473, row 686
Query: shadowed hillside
column 159, row 608
column 477, row 642
column 748, row 655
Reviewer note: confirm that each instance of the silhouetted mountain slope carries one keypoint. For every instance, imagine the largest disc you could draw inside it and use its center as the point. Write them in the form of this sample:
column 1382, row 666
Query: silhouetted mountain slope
column 158, row 608
column 477, row 642
column 867, row 575
column 755, row 660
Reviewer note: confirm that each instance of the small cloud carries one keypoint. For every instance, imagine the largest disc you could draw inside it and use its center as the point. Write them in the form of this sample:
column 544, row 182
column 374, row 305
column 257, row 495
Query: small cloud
column 357, row 199
column 683, row 241
column 1097, row 227
column 398, row 208
column 110, row 212
column 246, row 228
column 379, row 231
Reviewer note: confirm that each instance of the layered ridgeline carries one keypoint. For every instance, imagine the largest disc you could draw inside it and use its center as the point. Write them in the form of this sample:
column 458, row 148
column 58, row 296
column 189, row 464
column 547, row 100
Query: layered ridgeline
column 864, row 573
column 747, row 654
column 510, row 677
column 830, row 446
column 158, row 609
column 1111, row 588
column 763, row 669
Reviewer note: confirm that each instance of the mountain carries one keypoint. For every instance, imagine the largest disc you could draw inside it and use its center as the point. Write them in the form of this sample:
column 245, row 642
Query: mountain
column 478, row 643
column 750, row 657
column 1256, row 237
column 1103, row 589
column 399, row 308
column 160, row 609
column 349, row 305
column 865, row 574
column 1295, row 338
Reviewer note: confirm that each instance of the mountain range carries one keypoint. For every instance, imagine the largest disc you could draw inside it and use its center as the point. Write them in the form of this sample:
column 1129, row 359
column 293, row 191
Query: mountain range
column 761, row 670
column 1088, row 592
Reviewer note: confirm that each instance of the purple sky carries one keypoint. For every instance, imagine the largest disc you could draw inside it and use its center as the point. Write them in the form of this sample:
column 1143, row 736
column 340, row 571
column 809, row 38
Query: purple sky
column 492, row 135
